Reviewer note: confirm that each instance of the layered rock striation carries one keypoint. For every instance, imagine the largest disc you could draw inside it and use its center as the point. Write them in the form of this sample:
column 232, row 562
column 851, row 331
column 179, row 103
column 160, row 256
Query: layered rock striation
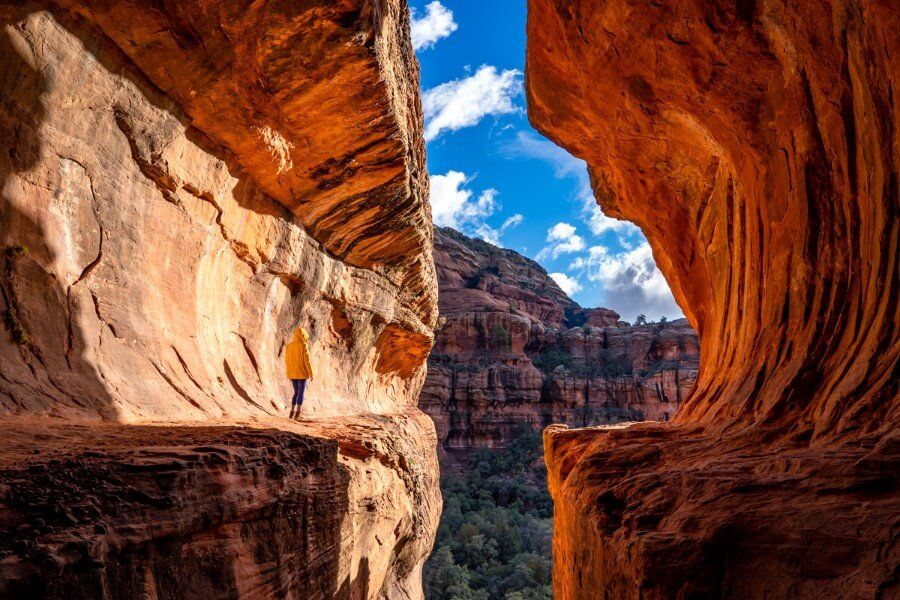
column 756, row 145
column 338, row 508
column 511, row 349
column 182, row 183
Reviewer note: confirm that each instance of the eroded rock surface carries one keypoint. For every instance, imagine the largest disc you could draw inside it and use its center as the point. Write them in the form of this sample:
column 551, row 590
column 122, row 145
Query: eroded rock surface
column 161, row 277
column 512, row 349
column 755, row 143
column 181, row 183
column 336, row 508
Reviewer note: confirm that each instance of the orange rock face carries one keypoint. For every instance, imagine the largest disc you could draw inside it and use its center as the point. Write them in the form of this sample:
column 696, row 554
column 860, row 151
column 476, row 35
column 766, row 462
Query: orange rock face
column 181, row 184
column 756, row 146
column 175, row 237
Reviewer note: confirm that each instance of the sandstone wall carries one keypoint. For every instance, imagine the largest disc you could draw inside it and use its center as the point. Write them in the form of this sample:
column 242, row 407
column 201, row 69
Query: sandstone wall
column 158, row 252
column 755, row 143
column 513, row 349
column 181, row 183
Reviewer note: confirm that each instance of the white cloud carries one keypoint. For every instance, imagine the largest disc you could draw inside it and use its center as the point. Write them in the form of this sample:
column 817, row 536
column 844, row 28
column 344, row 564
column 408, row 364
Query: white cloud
column 567, row 166
column 512, row 221
column 631, row 283
column 464, row 102
column 567, row 284
column 561, row 239
column 532, row 146
column 453, row 205
column 436, row 24
column 492, row 235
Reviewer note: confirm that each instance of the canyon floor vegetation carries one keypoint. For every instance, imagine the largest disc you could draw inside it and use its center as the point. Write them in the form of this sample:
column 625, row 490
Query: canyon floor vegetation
column 495, row 533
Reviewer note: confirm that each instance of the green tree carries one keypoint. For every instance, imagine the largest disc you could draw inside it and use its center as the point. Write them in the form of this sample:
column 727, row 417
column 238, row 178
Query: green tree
column 494, row 538
column 445, row 580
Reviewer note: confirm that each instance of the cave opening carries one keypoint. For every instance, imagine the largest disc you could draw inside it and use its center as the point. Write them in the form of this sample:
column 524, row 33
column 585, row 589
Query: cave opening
column 175, row 199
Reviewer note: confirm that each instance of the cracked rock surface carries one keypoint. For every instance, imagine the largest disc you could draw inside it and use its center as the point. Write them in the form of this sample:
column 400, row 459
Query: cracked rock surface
column 335, row 508
column 160, row 278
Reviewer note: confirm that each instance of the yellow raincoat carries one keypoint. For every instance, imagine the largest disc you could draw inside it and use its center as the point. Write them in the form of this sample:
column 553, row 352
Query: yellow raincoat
column 296, row 356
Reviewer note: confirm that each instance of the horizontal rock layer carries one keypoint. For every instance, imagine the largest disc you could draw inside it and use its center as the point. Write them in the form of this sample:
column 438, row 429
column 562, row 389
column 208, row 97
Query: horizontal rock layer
column 333, row 509
column 755, row 143
column 513, row 349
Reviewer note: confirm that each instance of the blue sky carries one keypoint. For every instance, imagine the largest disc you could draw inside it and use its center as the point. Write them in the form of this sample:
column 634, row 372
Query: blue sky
column 493, row 176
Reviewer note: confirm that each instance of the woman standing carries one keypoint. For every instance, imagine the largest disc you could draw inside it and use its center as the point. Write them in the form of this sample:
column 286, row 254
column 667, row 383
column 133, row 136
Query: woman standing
column 298, row 368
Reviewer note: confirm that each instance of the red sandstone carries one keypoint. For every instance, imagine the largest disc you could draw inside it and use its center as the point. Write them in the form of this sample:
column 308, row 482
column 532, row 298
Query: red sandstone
column 756, row 145
column 501, row 314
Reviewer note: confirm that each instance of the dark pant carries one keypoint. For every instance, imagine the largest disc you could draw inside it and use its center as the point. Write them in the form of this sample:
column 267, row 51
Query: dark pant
column 299, row 390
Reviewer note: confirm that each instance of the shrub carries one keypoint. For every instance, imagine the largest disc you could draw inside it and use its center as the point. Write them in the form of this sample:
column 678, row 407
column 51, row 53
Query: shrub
column 498, row 337
column 11, row 318
column 614, row 365
column 551, row 358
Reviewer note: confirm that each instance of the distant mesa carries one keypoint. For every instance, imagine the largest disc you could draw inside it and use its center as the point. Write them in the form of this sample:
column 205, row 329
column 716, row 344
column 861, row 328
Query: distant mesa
column 512, row 348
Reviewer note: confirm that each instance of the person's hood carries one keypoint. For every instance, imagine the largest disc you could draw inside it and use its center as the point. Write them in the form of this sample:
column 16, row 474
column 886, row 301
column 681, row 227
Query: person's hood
column 299, row 335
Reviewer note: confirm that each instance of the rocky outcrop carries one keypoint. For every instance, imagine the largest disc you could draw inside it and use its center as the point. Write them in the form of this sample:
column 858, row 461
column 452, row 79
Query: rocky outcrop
column 513, row 349
column 335, row 508
column 755, row 143
column 181, row 183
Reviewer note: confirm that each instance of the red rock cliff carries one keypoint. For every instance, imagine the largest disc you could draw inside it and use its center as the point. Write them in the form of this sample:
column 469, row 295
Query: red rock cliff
column 512, row 348
column 756, row 145
column 181, row 183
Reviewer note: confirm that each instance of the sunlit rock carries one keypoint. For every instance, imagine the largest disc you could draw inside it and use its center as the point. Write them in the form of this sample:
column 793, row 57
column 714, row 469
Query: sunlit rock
column 182, row 184
column 513, row 349
column 755, row 143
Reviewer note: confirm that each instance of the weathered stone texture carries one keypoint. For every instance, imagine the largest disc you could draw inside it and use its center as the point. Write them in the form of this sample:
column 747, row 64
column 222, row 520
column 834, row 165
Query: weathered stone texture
column 161, row 278
column 338, row 508
column 756, row 145
column 181, row 183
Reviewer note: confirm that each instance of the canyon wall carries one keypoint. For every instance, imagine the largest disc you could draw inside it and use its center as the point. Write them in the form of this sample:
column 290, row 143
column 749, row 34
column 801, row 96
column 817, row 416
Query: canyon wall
column 512, row 348
column 181, row 184
column 178, row 193
column 756, row 145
